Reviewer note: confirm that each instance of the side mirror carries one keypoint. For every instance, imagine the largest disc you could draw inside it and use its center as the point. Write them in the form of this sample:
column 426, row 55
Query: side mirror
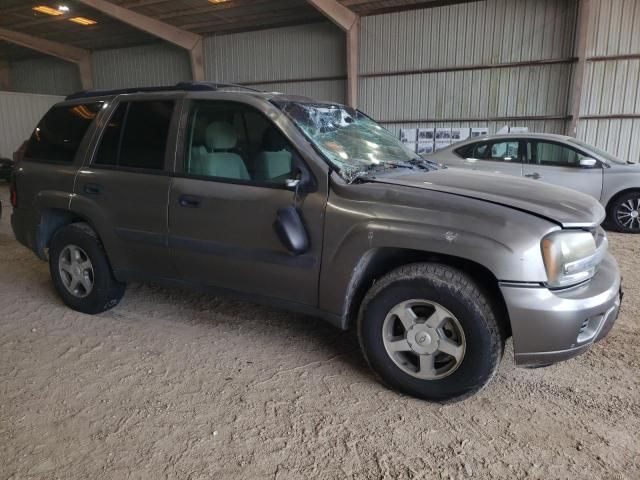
column 291, row 231
column 588, row 162
column 301, row 181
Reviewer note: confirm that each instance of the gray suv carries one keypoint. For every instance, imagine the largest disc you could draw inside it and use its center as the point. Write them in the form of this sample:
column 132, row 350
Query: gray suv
column 314, row 207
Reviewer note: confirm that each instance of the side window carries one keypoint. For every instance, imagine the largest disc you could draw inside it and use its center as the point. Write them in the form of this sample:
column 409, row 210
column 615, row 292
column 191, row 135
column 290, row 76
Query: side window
column 232, row 141
column 496, row 151
column 553, row 154
column 59, row 133
column 136, row 135
column 107, row 153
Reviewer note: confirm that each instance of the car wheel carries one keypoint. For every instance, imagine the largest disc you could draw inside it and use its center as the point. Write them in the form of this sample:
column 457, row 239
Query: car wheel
column 81, row 271
column 624, row 213
column 428, row 330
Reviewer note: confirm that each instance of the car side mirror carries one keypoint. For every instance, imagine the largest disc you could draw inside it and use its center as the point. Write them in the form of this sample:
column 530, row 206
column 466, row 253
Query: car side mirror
column 300, row 181
column 291, row 230
column 588, row 162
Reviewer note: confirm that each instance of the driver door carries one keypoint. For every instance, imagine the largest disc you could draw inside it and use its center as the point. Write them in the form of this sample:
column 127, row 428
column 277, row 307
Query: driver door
column 559, row 164
column 229, row 186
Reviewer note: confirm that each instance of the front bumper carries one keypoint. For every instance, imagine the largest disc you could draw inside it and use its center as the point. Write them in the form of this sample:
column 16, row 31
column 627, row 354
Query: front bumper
column 550, row 326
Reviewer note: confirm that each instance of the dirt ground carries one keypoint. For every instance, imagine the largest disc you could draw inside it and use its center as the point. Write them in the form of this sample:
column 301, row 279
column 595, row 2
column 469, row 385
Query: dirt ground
column 173, row 384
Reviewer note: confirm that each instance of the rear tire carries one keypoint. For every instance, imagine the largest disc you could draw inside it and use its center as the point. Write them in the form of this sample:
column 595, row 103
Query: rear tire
column 81, row 272
column 428, row 330
column 624, row 213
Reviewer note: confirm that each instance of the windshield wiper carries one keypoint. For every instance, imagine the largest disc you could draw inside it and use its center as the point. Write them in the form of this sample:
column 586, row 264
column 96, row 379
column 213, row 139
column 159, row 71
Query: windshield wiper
column 366, row 171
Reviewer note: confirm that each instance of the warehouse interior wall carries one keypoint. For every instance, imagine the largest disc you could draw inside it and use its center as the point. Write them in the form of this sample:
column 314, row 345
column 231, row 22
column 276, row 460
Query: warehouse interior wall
column 610, row 103
column 144, row 66
column 19, row 114
column 303, row 60
column 481, row 64
column 44, row 75
column 487, row 63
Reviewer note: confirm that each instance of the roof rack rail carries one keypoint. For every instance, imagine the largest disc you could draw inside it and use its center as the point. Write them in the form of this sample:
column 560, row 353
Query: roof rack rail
column 181, row 86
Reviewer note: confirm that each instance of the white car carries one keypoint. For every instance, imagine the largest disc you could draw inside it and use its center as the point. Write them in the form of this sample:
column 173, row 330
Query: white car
column 557, row 159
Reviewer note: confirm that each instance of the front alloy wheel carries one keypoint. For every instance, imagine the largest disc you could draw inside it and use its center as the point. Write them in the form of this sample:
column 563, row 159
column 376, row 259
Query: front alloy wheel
column 424, row 339
column 430, row 330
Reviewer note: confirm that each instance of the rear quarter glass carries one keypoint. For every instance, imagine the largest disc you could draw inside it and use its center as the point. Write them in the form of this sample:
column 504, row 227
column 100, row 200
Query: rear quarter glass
column 60, row 132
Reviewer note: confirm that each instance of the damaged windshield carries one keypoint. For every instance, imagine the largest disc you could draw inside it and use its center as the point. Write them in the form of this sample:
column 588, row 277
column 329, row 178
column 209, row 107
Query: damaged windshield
column 353, row 143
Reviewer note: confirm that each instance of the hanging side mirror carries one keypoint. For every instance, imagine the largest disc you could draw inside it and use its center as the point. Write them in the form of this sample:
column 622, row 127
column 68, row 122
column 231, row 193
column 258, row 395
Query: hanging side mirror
column 291, row 231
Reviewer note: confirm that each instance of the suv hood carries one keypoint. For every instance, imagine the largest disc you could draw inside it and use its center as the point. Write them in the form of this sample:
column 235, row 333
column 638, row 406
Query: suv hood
column 560, row 205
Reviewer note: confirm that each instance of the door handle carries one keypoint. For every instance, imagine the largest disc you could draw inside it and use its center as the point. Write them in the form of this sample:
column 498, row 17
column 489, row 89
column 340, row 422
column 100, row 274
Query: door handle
column 189, row 201
column 92, row 188
column 534, row 175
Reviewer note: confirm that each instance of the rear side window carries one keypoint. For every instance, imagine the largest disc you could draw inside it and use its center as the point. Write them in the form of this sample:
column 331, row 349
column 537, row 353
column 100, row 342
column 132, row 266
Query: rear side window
column 495, row 151
column 136, row 135
column 60, row 132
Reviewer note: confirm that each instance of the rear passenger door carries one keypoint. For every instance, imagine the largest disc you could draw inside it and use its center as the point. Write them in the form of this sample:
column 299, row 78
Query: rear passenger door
column 498, row 156
column 124, row 188
column 229, row 185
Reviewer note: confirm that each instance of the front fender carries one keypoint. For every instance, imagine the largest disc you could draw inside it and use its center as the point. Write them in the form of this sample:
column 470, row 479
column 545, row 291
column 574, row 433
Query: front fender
column 502, row 240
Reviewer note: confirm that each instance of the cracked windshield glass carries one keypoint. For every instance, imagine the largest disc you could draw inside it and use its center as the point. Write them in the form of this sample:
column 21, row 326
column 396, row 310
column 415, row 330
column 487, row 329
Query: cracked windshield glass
column 353, row 143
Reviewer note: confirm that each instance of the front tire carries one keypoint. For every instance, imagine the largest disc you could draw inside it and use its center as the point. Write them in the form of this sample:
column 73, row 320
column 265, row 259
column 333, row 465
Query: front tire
column 81, row 272
column 624, row 213
column 428, row 330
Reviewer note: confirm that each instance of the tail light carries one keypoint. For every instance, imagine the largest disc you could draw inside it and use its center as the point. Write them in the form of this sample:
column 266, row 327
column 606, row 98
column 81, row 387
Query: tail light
column 13, row 193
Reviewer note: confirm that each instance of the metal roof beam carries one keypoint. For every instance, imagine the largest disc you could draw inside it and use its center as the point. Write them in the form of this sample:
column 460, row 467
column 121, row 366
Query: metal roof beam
column 336, row 12
column 79, row 56
column 348, row 21
column 190, row 41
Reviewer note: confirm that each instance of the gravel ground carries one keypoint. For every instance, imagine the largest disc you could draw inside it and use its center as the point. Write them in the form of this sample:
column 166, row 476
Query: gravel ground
column 173, row 384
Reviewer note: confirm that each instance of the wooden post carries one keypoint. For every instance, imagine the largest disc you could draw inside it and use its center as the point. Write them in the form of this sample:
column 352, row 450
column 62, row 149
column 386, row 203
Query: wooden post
column 5, row 79
column 353, row 35
column 349, row 22
column 582, row 33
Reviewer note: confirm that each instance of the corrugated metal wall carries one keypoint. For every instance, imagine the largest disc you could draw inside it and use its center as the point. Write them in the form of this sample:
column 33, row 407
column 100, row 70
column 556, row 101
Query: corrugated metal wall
column 45, row 75
column 148, row 65
column 612, row 79
column 19, row 115
column 305, row 60
column 483, row 64
column 439, row 64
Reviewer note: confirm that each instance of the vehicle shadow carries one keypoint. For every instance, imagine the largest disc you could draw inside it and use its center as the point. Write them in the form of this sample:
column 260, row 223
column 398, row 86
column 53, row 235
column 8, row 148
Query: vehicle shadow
column 273, row 327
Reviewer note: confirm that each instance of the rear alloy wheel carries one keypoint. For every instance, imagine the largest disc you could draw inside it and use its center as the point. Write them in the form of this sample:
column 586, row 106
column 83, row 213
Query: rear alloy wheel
column 80, row 270
column 76, row 271
column 429, row 330
column 624, row 213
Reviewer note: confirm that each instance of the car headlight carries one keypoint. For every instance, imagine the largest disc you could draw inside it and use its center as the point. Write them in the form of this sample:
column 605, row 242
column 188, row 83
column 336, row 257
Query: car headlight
column 571, row 257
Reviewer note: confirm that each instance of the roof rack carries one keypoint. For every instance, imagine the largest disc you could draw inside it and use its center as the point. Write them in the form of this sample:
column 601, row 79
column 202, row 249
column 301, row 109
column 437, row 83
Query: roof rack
column 181, row 86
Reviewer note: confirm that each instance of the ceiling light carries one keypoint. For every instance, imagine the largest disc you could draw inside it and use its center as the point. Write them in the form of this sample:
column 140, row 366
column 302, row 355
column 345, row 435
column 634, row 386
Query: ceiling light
column 63, row 8
column 217, row 1
column 47, row 10
column 83, row 21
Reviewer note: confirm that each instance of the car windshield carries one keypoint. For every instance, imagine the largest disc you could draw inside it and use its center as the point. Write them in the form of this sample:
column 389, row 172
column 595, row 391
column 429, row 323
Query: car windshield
column 596, row 150
column 353, row 144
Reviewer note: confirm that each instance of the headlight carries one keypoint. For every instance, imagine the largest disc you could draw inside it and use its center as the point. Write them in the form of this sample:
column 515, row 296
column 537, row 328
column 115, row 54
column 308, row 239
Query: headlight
column 571, row 257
